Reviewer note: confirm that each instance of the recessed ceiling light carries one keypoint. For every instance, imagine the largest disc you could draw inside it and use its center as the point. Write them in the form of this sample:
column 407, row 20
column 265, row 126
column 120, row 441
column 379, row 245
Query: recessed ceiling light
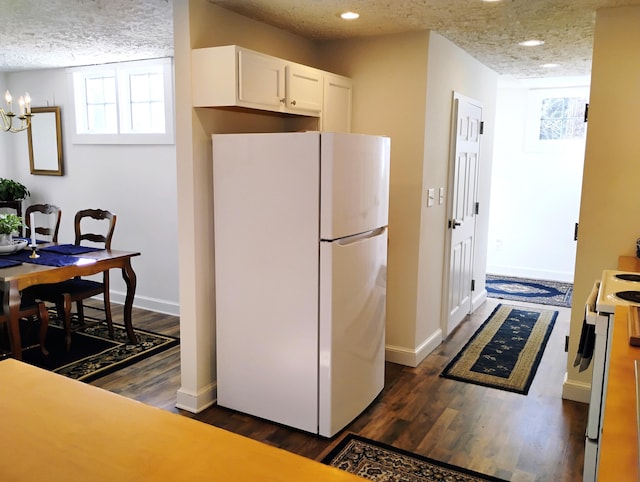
column 550, row 66
column 349, row 15
column 531, row 43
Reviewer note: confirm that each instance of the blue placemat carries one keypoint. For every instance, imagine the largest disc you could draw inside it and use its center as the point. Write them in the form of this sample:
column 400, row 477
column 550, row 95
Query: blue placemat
column 8, row 263
column 69, row 249
column 47, row 259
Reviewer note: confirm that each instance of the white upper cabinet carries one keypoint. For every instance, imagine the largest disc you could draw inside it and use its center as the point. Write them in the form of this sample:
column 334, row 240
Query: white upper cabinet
column 232, row 76
column 336, row 108
column 261, row 80
column 304, row 88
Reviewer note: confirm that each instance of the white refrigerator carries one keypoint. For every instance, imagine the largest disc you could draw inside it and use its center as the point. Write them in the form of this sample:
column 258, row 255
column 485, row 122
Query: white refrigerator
column 300, row 224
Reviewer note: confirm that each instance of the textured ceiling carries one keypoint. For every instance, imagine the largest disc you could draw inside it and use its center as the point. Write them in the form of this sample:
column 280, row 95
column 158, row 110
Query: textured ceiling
column 38, row 34
column 489, row 31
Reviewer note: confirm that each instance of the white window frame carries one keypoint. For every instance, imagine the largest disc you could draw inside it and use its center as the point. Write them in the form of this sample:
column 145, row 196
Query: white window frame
column 533, row 143
column 122, row 72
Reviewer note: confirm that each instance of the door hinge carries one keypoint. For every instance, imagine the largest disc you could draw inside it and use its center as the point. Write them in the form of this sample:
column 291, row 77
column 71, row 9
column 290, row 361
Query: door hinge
column 473, row 285
column 482, row 127
column 586, row 112
column 477, row 208
column 575, row 232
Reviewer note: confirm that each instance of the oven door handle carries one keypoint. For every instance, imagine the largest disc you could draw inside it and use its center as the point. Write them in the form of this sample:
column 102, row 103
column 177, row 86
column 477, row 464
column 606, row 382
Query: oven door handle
column 590, row 313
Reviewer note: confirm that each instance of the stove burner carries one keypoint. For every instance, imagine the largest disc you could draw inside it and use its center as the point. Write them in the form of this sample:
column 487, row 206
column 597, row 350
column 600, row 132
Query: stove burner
column 633, row 296
column 628, row 277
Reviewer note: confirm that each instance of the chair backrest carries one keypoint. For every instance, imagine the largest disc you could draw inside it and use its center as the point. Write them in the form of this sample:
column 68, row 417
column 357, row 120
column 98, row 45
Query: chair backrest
column 50, row 230
column 96, row 214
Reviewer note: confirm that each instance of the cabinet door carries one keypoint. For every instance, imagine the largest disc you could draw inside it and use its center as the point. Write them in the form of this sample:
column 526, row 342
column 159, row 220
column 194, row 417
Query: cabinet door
column 304, row 88
column 261, row 79
column 336, row 110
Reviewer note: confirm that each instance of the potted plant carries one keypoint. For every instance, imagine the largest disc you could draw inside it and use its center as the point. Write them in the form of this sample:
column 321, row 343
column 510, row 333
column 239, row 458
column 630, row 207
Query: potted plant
column 9, row 223
column 11, row 190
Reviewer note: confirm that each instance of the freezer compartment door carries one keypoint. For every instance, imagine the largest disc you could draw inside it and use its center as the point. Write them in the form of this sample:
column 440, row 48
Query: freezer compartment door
column 354, row 192
column 353, row 288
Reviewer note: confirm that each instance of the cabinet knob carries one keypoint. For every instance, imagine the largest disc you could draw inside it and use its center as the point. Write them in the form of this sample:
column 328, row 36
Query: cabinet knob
column 283, row 100
column 293, row 102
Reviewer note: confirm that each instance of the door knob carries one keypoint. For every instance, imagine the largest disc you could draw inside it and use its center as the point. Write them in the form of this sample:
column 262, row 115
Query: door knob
column 454, row 223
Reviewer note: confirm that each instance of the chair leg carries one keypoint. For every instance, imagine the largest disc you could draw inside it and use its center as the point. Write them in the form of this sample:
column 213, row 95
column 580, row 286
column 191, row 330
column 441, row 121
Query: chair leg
column 80, row 312
column 107, row 303
column 43, row 314
column 107, row 315
column 67, row 320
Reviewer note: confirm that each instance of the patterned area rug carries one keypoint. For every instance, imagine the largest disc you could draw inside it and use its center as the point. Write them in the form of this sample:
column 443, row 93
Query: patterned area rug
column 533, row 291
column 93, row 354
column 382, row 463
column 506, row 350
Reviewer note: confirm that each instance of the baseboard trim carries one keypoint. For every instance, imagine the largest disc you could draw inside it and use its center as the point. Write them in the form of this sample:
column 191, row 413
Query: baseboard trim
column 146, row 303
column 478, row 300
column 409, row 357
column 575, row 391
column 196, row 402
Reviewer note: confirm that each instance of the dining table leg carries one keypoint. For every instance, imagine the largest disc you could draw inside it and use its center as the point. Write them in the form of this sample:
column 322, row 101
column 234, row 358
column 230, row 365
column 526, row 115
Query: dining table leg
column 129, row 277
column 11, row 306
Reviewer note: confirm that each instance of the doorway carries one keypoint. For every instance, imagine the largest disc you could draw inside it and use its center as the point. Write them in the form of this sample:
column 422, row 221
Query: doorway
column 537, row 178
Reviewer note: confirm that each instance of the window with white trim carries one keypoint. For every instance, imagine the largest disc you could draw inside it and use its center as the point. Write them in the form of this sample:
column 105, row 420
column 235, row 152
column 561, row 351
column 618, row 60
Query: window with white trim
column 124, row 103
column 555, row 119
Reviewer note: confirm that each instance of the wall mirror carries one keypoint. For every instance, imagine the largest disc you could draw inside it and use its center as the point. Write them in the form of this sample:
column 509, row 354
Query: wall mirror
column 45, row 141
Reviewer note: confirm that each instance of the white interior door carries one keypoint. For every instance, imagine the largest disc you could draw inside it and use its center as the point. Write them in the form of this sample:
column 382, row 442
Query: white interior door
column 462, row 220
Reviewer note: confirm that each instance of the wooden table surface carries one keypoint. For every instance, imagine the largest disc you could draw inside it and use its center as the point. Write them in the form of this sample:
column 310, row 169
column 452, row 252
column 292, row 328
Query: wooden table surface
column 56, row 429
column 619, row 446
column 16, row 278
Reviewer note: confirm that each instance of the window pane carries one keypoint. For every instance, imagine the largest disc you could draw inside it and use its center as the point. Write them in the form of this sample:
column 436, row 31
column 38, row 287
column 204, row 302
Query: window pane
column 157, row 117
column 156, row 87
column 140, row 119
column 562, row 118
column 110, row 90
column 139, row 88
column 95, row 91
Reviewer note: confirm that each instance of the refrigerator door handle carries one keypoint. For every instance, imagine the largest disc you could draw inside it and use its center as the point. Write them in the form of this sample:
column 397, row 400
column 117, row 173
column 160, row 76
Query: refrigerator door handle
column 356, row 238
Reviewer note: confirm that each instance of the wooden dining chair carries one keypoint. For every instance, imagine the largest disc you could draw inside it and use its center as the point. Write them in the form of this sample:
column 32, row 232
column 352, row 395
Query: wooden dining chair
column 30, row 309
column 48, row 230
column 76, row 290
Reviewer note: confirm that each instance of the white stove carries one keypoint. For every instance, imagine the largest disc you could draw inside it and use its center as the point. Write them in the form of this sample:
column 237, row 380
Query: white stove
column 617, row 288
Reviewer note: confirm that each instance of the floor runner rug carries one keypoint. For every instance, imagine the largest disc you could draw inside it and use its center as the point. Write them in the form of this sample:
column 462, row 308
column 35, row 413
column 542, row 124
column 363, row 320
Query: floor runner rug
column 93, row 354
column 542, row 292
column 383, row 463
column 506, row 350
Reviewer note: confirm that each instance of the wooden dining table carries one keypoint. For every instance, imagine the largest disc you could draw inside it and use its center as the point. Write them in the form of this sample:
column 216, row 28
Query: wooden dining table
column 14, row 279
column 58, row 429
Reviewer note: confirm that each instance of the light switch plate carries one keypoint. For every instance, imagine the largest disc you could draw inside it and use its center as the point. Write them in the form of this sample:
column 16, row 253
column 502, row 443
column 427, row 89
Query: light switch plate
column 431, row 197
column 441, row 195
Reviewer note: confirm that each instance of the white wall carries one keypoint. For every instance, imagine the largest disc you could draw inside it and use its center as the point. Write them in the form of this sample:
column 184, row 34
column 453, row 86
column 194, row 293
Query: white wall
column 535, row 188
column 137, row 182
column 451, row 70
column 6, row 146
column 610, row 201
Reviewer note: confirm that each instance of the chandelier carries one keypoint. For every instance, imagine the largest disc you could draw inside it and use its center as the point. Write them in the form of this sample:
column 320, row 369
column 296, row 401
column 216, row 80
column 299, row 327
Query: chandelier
column 8, row 116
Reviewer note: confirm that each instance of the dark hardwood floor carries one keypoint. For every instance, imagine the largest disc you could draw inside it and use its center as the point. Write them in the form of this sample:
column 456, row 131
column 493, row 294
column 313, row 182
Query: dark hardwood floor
column 538, row 437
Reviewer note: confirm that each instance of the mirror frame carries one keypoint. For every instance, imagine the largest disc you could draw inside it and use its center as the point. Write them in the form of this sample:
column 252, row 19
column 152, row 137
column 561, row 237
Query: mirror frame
column 58, row 141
